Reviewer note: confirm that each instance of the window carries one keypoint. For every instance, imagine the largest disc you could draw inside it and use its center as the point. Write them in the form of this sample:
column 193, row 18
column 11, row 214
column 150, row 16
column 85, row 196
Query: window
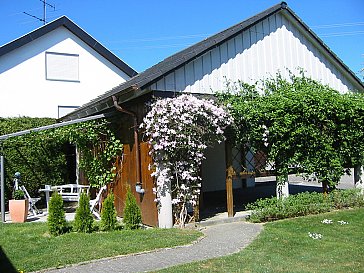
column 65, row 109
column 62, row 67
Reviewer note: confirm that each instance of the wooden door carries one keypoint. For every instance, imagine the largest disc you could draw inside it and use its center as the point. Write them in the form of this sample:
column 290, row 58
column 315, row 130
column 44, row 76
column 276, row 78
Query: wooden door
column 126, row 177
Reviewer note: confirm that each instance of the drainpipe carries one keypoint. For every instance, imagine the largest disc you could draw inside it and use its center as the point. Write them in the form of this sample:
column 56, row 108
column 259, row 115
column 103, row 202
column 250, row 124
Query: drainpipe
column 136, row 141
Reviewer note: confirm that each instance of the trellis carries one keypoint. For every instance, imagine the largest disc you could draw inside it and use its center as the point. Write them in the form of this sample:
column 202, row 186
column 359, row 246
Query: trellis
column 244, row 163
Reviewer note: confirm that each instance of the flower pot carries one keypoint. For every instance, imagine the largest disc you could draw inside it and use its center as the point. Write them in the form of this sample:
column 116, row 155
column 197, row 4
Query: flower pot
column 18, row 210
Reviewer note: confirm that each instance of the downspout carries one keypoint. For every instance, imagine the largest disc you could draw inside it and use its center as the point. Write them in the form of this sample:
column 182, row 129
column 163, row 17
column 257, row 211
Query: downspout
column 136, row 141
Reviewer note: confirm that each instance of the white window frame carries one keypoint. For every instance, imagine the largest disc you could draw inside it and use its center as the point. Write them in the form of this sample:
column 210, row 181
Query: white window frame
column 64, row 78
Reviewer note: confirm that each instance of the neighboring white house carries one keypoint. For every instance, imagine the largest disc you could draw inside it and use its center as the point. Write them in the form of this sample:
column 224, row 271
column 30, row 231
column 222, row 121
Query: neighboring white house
column 54, row 69
column 271, row 41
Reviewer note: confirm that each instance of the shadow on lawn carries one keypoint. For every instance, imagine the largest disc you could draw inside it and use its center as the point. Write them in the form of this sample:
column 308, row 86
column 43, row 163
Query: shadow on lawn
column 5, row 263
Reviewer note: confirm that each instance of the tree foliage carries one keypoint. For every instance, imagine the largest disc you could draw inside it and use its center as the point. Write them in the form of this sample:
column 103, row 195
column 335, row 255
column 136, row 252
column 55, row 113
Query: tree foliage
column 299, row 123
column 38, row 161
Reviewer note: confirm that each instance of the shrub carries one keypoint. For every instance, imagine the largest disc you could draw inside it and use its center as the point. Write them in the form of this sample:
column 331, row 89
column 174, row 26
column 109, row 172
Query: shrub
column 83, row 218
column 56, row 221
column 18, row 195
column 347, row 198
column 108, row 214
column 132, row 214
column 301, row 204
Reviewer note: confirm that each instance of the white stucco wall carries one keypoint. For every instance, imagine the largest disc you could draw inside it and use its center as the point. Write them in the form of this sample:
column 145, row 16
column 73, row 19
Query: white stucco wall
column 25, row 91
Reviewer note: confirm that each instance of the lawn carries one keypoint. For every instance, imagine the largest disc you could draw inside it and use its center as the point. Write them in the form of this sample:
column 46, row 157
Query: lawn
column 285, row 246
column 29, row 247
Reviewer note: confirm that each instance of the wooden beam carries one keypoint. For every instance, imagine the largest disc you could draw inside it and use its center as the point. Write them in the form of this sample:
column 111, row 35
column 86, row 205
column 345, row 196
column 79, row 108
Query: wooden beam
column 229, row 179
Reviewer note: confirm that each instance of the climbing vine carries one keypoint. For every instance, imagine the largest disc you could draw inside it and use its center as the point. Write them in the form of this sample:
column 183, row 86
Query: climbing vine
column 98, row 148
column 179, row 131
column 40, row 156
column 300, row 124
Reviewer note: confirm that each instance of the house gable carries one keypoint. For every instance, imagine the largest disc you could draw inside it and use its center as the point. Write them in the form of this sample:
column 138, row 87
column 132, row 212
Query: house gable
column 77, row 31
column 275, row 44
column 54, row 72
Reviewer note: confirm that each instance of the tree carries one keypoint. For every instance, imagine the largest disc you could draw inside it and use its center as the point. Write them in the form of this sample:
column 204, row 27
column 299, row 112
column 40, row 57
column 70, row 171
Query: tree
column 108, row 214
column 56, row 220
column 132, row 214
column 83, row 218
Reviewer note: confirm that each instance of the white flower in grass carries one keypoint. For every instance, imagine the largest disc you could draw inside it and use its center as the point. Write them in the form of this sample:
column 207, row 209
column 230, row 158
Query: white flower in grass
column 342, row 222
column 315, row 236
column 326, row 221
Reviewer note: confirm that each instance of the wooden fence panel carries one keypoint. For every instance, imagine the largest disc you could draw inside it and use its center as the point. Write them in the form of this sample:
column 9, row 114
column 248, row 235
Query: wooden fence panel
column 148, row 205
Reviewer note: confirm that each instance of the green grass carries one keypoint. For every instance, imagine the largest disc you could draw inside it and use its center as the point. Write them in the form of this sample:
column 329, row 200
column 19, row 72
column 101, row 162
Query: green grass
column 29, row 247
column 284, row 246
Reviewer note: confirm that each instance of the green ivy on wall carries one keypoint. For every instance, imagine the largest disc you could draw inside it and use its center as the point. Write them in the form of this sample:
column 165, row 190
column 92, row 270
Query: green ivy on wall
column 40, row 156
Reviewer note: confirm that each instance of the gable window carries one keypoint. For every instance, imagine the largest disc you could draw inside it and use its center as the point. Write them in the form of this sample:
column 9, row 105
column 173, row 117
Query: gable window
column 65, row 109
column 62, row 67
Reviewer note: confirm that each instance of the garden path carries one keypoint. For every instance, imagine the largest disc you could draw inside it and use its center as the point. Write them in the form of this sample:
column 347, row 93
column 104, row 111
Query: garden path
column 220, row 240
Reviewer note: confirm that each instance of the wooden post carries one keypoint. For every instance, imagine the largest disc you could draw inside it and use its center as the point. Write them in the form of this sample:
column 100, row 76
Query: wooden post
column 196, row 210
column 359, row 178
column 2, row 178
column 229, row 179
column 324, row 187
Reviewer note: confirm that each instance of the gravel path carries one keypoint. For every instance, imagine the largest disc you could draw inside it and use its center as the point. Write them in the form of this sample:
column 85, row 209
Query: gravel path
column 219, row 240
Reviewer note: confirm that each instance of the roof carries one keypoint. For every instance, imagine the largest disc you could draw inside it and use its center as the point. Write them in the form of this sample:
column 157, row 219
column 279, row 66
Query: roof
column 76, row 30
column 134, row 87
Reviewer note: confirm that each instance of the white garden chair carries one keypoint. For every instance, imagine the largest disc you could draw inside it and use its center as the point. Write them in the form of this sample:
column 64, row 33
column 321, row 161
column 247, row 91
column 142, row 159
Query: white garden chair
column 94, row 203
column 32, row 201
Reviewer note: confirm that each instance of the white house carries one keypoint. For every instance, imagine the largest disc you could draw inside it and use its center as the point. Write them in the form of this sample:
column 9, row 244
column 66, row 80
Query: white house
column 54, row 69
column 271, row 41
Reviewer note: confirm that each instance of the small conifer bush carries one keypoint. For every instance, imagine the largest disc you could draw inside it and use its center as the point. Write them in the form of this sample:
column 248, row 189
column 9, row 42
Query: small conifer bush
column 108, row 214
column 83, row 218
column 132, row 214
column 56, row 220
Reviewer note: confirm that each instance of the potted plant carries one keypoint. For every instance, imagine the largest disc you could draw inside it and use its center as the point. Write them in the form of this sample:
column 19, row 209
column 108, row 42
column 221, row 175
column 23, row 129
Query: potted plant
column 18, row 207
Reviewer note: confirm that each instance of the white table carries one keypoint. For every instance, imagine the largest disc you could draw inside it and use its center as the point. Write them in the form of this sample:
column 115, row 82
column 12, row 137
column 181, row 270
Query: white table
column 47, row 189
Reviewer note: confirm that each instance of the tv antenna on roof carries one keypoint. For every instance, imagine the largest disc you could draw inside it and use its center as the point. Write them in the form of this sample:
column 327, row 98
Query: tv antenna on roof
column 45, row 5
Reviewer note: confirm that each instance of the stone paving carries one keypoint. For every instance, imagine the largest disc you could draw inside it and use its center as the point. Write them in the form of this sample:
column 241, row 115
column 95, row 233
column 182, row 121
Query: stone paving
column 220, row 240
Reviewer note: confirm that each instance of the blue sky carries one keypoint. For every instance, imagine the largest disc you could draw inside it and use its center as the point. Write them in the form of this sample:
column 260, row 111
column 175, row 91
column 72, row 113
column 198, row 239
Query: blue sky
column 142, row 33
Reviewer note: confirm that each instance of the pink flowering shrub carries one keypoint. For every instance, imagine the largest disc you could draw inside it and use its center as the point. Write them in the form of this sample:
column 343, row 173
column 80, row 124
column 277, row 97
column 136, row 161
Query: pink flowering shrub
column 179, row 131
